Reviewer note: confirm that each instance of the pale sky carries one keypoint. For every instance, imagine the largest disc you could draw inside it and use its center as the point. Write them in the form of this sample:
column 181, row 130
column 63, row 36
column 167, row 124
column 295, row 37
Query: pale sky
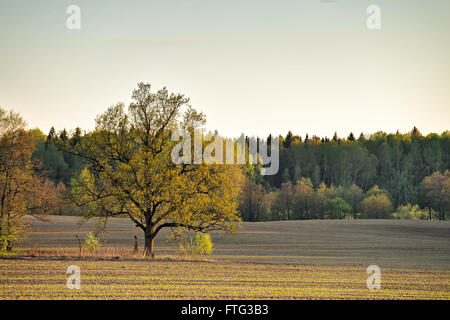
column 251, row 66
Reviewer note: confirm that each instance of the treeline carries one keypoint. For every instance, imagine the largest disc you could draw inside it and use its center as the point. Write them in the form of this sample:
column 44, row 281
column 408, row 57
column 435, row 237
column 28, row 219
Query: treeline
column 369, row 177
column 375, row 176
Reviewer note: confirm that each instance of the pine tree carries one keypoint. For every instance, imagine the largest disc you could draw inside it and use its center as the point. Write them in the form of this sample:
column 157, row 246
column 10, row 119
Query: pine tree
column 288, row 140
column 335, row 137
column 361, row 138
column 351, row 137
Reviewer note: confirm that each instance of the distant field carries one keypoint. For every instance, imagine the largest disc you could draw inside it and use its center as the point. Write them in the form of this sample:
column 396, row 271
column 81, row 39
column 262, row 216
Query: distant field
column 265, row 260
column 394, row 243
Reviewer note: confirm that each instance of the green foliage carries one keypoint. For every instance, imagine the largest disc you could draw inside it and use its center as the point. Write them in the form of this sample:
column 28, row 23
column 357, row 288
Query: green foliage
column 376, row 206
column 338, row 208
column 22, row 190
column 397, row 163
column 12, row 252
column 434, row 193
column 375, row 191
column 60, row 166
column 92, row 242
column 410, row 212
column 201, row 245
column 303, row 199
column 14, row 234
column 254, row 205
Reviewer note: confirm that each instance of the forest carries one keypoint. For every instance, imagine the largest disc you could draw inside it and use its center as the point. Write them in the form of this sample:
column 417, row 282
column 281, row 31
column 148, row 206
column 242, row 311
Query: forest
column 377, row 175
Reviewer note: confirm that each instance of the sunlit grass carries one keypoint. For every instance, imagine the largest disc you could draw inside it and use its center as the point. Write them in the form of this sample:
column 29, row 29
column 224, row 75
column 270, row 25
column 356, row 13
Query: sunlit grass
column 12, row 252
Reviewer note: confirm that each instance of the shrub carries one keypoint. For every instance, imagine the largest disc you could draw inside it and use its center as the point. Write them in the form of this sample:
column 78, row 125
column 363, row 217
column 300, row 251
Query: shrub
column 199, row 245
column 376, row 206
column 15, row 234
column 410, row 212
column 338, row 208
column 92, row 242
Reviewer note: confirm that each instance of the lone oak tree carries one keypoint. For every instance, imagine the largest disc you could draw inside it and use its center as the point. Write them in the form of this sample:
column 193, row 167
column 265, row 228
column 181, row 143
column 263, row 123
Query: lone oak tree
column 129, row 170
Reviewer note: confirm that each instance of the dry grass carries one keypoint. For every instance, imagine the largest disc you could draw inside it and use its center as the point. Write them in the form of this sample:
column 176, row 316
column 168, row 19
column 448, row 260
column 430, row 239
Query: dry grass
column 106, row 253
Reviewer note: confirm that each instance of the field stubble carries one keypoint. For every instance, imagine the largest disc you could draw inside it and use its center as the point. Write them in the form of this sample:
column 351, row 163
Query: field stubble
column 268, row 260
column 46, row 279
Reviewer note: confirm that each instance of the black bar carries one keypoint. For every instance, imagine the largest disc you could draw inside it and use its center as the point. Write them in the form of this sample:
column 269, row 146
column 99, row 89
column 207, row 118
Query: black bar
column 223, row 309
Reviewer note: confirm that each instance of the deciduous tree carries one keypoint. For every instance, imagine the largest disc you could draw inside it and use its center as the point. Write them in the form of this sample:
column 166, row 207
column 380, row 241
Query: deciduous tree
column 129, row 169
column 22, row 190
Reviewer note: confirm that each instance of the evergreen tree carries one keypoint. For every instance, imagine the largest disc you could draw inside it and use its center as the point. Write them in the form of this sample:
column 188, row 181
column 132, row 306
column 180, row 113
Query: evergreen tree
column 351, row 137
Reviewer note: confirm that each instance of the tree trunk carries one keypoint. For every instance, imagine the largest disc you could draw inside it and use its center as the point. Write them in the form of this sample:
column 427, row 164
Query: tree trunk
column 1, row 224
column 8, row 233
column 149, row 237
column 148, row 251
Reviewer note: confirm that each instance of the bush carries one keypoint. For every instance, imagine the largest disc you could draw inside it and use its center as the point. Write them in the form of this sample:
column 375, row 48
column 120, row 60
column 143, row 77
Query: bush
column 338, row 208
column 410, row 212
column 376, row 206
column 199, row 245
column 15, row 234
column 92, row 242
